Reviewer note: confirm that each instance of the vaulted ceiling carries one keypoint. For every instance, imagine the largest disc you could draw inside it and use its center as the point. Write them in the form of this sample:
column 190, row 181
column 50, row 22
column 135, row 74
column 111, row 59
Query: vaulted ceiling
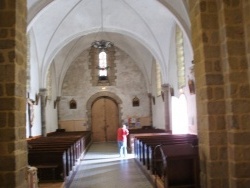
column 59, row 30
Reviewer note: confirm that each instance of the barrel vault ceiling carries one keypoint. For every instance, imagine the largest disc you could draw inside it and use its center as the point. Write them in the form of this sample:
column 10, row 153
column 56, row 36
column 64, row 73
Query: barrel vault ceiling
column 59, row 30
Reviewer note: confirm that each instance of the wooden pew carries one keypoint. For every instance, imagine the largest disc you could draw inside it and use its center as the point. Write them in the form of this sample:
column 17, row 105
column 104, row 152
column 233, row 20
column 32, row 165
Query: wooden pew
column 138, row 138
column 178, row 165
column 147, row 144
column 50, row 163
column 55, row 142
column 51, row 146
column 141, row 132
column 82, row 142
column 57, row 153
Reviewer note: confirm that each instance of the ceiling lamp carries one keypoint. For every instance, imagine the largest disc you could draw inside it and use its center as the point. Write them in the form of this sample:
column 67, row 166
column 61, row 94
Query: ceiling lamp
column 102, row 44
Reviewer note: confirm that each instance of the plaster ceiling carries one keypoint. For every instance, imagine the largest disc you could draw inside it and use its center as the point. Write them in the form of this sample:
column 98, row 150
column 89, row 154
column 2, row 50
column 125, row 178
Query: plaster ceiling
column 61, row 29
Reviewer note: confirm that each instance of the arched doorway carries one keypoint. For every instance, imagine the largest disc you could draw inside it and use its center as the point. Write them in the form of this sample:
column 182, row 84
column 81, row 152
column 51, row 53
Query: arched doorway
column 105, row 119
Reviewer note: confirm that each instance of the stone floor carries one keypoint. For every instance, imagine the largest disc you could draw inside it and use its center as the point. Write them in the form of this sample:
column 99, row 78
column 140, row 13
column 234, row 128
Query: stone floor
column 51, row 185
column 102, row 167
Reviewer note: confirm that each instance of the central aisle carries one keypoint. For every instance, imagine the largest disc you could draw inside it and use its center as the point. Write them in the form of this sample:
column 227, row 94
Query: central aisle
column 103, row 168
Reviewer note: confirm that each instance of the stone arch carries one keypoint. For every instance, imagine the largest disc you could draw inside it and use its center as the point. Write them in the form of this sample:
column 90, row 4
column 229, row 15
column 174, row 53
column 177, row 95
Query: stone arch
column 94, row 97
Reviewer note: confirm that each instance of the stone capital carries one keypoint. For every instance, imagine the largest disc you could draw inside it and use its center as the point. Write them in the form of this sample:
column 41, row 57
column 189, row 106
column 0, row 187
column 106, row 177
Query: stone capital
column 43, row 91
column 165, row 87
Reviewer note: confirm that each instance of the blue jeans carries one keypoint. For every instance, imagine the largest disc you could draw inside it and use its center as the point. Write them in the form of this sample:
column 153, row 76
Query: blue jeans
column 122, row 148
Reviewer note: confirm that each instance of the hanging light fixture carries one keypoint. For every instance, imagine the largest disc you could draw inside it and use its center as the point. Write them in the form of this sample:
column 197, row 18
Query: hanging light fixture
column 102, row 44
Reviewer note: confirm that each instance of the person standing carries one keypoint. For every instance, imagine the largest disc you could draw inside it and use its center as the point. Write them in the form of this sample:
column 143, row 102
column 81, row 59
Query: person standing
column 122, row 134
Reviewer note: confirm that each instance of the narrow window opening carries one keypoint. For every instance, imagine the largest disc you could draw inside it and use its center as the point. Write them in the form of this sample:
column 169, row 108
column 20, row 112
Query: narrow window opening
column 103, row 68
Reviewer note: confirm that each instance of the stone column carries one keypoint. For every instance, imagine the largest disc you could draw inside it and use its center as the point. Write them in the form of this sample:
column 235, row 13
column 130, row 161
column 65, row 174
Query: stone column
column 150, row 108
column 58, row 99
column 236, row 89
column 167, row 103
column 219, row 36
column 13, row 58
column 43, row 94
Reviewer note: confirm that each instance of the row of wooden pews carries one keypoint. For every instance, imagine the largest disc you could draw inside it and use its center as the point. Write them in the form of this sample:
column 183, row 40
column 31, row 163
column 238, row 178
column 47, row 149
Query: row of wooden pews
column 56, row 154
column 142, row 132
column 171, row 158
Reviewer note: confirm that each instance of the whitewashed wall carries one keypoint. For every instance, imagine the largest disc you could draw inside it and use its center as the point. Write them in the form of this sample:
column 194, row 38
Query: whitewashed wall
column 51, row 111
column 158, row 110
column 191, row 98
column 33, row 90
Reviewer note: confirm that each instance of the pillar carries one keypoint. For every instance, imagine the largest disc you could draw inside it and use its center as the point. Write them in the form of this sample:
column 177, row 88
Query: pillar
column 13, row 58
column 166, row 89
column 150, row 108
column 222, row 91
column 43, row 94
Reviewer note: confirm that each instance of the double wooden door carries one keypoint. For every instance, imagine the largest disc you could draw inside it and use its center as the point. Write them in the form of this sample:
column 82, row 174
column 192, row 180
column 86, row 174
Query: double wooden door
column 104, row 120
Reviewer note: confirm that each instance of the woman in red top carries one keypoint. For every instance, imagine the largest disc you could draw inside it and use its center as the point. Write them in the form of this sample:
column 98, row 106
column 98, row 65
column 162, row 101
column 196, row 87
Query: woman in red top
column 122, row 134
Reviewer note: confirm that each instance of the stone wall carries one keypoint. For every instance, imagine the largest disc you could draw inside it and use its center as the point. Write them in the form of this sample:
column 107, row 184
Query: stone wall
column 246, row 6
column 13, row 155
column 223, row 95
column 78, row 85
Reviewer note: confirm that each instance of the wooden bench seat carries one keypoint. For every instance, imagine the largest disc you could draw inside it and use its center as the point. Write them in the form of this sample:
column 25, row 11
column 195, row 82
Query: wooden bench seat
column 57, row 153
column 54, row 142
column 43, row 170
column 144, row 145
column 69, row 159
column 45, row 157
column 142, row 132
column 178, row 166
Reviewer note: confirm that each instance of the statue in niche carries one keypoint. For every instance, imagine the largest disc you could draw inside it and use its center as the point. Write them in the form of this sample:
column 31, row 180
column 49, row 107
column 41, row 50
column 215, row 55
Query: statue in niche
column 191, row 86
column 136, row 102
column 72, row 104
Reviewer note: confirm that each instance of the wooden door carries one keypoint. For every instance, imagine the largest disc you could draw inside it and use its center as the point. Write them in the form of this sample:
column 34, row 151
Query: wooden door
column 104, row 120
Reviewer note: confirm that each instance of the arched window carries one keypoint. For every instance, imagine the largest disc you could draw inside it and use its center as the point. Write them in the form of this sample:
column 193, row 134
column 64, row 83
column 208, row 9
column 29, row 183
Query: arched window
column 49, row 83
column 180, row 57
column 103, row 67
column 158, row 79
column 103, row 73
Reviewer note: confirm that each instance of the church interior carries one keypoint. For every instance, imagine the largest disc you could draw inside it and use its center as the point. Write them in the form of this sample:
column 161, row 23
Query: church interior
column 176, row 73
